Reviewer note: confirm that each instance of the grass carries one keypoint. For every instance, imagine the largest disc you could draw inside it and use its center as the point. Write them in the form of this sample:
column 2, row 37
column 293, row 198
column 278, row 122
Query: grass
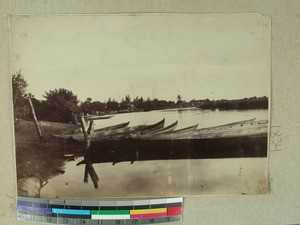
column 42, row 159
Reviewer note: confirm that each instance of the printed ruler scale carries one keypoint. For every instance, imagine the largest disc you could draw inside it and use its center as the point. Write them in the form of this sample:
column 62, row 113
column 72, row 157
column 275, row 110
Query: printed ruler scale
column 100, row 212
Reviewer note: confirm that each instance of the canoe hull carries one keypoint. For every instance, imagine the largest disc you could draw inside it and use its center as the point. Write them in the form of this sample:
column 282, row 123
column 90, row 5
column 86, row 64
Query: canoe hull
column 137, row 150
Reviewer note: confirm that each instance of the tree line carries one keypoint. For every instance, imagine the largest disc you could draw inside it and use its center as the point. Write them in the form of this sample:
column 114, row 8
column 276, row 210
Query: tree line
column 246, row 103
column 61, row 105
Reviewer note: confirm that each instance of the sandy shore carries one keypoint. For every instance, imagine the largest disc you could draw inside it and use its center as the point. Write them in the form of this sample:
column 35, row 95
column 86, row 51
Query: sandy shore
column 36, row 160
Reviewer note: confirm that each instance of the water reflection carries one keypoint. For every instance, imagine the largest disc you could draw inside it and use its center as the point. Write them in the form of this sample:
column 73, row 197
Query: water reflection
column 136, row 150
column 104, row 151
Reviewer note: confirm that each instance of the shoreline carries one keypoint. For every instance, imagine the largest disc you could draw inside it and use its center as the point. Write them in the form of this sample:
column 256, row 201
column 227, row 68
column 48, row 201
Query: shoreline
column 39, row 161
column 32, row 155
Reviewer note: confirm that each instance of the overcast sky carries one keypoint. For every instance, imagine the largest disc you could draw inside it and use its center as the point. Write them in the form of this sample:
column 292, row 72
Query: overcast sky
column 211, row 56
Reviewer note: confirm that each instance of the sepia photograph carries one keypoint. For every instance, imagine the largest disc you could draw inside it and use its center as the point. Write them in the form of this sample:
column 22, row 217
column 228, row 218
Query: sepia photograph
column 140, row 105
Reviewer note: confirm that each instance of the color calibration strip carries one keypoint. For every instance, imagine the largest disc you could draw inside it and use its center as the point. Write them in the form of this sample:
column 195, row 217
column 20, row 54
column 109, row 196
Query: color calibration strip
column 100, row 212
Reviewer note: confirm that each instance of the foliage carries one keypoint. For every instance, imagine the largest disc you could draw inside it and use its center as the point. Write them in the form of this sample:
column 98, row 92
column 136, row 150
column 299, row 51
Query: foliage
column 86, row 106
column 19, row 86
column 246, row 103
column 90, row 107
column 125, row 103
column 112, row 105
column 61, row 105
column 138, row 102
column 179, row 99
column 154, row 104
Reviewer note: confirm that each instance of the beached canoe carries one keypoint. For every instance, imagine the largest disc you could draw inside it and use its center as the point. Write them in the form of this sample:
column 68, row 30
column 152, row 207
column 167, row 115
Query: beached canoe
column 153, row 135
column 166, row 129
column 118, row 133
column 140, row 150
column 114, row 132
column 151, row 132
column 186, row 129
column 131, row 131
column 114, row 127
column 102, row 131
column 96, row 117
column 149, row 128
column 157, row 131
column 228, row 126
column 242, row 128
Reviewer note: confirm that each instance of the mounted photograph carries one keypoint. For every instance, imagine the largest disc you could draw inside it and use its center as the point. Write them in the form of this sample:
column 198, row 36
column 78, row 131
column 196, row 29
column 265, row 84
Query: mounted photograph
column 140, row 105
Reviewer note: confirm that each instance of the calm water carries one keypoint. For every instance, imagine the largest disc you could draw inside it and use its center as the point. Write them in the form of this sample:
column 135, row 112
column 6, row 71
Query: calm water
column 165, row 177
column 185, row 117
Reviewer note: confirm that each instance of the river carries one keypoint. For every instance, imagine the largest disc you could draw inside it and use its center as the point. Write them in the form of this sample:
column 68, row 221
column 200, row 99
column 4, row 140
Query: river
column 180, row 177
column 185, row 117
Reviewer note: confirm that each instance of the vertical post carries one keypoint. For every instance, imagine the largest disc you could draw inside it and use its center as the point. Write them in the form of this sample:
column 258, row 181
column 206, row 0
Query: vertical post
column 82, row 122
column 86, row 132
column 35, row 119
column 89, row 134
column 89, row 169
column 86, row 174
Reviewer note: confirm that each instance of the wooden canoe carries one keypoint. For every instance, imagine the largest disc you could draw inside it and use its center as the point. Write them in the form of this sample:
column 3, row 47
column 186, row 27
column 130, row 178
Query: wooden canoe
column 116, row 134
column 96, row 117
column 114, row 127
column 163, row 130
column 149, row 128
column 166, row 129
column 186, row 129
column 102, row 131
column 242, row 128
column 157, row 131
column 228, row 126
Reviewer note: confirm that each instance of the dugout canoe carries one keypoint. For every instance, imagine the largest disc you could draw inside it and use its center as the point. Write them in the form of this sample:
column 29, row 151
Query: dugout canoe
column 157, row 131
column 96, row 117
column 114, row 127
column 137, row 131
column 141, row 150
column 167, row 129
column 102, row 131
column 241, row 128
column 163, row 130
column 117, row 133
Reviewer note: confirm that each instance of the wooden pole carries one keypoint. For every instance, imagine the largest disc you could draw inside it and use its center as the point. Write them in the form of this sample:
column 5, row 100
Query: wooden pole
column 93, row 174
column 82, row 122
column 89, row 169
column 86, row 174
column 89, row 134
column 35, row 119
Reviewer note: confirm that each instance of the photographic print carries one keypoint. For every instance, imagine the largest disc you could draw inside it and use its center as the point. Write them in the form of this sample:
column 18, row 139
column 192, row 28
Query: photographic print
column 140, row 105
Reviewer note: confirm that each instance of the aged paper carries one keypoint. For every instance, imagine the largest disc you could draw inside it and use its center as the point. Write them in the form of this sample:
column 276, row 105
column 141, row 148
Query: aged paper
column 174, row 104
column 283, row 169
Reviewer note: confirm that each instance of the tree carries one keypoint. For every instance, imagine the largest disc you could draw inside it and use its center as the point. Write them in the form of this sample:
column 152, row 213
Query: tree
column 179, row 99
column 127, row 99
column 19, row 86
column 62, row 105
column 86, row 106
column 112, row 105
column 97, row 107
column 125, row 103
column 138, row 102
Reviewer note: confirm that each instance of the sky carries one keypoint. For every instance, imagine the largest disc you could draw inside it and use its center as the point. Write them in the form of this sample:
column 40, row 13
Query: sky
column 197, row 56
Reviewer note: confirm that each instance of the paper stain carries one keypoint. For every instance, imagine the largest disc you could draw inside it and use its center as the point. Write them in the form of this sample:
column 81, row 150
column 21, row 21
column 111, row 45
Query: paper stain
column 170, row 179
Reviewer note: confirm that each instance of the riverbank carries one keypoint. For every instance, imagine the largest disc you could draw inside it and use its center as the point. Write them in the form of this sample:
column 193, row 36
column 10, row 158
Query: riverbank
column 38, row 161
